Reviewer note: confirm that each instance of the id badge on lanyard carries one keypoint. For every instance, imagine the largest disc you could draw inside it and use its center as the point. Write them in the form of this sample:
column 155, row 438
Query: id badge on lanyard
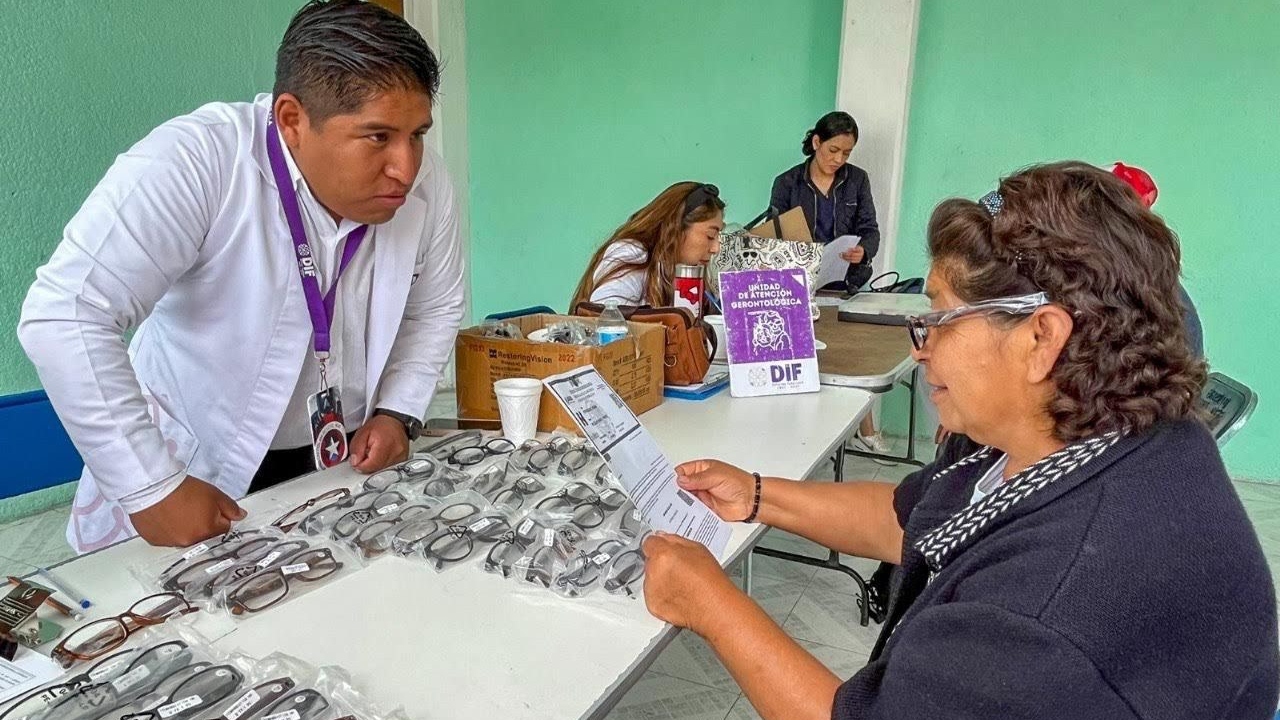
column 328, row 429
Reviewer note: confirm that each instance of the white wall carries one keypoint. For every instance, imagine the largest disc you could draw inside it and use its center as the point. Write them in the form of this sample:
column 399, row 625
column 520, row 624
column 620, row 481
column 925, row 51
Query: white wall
column 877, row 48
column 443, row 25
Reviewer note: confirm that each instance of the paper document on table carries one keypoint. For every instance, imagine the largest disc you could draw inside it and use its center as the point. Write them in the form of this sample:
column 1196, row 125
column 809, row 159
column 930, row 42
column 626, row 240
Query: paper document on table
column 29, row 670
column 635, row 458
column 833, row 266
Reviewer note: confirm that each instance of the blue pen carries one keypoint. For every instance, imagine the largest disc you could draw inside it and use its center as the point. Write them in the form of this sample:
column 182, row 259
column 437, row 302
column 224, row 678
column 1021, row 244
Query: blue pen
column 714, row 302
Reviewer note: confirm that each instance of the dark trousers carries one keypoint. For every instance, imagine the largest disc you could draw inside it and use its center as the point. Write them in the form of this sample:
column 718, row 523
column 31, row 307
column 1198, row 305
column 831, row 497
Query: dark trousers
column 281, row 465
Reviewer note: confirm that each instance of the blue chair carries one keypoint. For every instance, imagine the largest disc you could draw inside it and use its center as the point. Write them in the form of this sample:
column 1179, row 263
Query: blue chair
column 47, row 457
column 509, row 314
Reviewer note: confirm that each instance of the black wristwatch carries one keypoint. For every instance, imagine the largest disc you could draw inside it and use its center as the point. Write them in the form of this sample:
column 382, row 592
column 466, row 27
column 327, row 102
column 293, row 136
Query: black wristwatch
column 412, row 425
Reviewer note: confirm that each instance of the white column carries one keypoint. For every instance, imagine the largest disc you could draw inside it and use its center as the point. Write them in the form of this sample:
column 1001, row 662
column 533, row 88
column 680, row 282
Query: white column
column 877, row 51
column 443, row 25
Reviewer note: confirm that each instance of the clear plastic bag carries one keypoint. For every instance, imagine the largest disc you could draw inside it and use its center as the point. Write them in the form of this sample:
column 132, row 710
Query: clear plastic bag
column 587, row 568
column 196, row 571
column 536, row 549
column 572, row 332
column 464, row 525
column 587, row 506
column 297, row 566
column 171, row 672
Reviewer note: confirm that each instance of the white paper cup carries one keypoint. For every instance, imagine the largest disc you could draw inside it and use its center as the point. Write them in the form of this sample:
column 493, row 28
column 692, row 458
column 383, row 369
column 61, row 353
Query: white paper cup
column 518, row 400
column 722, row 341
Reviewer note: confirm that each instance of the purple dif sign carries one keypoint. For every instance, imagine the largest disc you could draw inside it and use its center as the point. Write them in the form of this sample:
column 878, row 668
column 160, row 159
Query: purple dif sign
column 769, row 331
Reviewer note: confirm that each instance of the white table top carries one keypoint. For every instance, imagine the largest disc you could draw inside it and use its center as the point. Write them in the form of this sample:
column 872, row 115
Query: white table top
column 465, row 643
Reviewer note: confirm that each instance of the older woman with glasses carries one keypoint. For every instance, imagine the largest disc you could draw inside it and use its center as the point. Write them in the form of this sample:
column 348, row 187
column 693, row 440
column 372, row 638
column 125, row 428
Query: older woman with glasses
column 1091, row 559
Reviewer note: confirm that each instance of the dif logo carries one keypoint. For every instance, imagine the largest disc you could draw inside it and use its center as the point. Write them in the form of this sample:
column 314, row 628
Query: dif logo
column 784, row 373
column 306, row 263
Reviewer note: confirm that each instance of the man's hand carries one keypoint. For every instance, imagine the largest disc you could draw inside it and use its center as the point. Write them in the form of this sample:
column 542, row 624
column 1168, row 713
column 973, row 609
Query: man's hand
column 194, row 511
column 683, row 583
column 382, row 442
column 854, row 255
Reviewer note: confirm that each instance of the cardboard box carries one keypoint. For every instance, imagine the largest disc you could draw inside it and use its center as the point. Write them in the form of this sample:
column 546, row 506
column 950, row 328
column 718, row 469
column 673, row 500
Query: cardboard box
column 792, row 224
column 633, row 367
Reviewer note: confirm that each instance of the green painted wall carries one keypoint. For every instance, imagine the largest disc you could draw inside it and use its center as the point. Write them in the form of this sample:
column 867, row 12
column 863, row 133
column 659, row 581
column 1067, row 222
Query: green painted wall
column 581, row 111
column 82, row 82
column 1187, row 90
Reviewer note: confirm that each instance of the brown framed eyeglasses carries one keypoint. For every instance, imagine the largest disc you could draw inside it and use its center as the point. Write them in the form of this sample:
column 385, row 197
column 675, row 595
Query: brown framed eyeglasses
column 265, row 589
column 100, row 637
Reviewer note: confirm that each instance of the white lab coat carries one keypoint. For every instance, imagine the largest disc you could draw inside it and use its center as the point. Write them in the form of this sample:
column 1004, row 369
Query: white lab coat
column 184, row 240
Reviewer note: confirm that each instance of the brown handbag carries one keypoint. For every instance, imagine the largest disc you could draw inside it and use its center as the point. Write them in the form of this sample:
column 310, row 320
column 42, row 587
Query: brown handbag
column 691, row 343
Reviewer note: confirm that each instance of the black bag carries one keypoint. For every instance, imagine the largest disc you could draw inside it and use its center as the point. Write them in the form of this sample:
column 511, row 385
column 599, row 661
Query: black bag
column 895, row 285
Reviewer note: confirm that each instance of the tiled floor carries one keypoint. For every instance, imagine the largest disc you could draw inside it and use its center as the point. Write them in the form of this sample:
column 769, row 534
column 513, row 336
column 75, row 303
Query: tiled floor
column 816, row 607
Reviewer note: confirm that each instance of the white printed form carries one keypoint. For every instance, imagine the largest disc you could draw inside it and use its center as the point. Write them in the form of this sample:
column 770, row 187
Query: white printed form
column 635, row 458
column 29, row 670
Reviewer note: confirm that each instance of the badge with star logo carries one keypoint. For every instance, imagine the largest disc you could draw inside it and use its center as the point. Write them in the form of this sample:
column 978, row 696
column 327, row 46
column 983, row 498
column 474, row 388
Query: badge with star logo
column 328, row 431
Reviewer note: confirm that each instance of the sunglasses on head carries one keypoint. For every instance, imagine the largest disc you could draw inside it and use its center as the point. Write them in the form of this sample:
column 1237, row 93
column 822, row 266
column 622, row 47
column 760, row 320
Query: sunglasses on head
column 699, row 196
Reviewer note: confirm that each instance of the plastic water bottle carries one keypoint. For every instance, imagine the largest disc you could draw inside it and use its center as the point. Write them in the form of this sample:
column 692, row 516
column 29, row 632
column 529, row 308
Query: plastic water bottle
column 611, row 326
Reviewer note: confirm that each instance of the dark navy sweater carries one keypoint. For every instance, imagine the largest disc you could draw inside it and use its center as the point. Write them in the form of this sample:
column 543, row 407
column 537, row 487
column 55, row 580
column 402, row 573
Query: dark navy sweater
column 1118, row 579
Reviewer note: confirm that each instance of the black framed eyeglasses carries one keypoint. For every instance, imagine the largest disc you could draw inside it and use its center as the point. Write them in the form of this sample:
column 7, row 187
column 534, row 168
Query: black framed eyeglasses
column 627, row 567
column 587, row 567
column 515, row 495
column 443, row 448
column 587, row 508
column 919, row 325
column 37, row 701
column 574, row 461
column 476, row 454
column 456, row 543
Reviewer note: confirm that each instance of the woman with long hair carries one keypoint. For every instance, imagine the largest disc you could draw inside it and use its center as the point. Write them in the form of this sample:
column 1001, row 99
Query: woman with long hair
column 636, row 265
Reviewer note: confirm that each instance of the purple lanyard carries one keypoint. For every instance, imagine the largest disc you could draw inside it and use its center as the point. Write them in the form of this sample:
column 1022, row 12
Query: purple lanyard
column 321, row 309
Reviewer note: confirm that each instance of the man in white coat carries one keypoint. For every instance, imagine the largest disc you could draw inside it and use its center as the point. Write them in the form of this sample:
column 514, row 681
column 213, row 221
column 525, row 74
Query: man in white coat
column 270, row 258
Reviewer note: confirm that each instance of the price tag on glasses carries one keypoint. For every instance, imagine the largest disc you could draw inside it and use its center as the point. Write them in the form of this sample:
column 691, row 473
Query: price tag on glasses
column 297, row 569
column 172, row 709
column 196, row 551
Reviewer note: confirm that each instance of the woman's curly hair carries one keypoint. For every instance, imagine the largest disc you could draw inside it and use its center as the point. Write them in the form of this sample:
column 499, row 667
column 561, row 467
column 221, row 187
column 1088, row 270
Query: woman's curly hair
column 1083, row 237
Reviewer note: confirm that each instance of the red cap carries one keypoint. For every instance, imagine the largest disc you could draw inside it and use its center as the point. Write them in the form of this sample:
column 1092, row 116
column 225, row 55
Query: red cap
column 1139, row 180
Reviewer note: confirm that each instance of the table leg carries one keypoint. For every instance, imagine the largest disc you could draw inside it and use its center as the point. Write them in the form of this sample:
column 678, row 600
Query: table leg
column 831, row 561
column 910, row 457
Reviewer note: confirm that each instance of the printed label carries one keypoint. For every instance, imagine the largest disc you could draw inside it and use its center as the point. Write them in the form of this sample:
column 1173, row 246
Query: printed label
column 219, row 567
column 98, row 673
column 295, row 569
column 601, row 559
column 286, row 715
column 186, row 703
column 269, row 559
column 123, row 683
column 196, row 551
column 242, row 706
column 390, row 508
column 548, row 537
column 525, row 527
column 480, row 524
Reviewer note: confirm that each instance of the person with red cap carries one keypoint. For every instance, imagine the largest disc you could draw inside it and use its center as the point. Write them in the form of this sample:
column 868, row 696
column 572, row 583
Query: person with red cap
column 1145, row 187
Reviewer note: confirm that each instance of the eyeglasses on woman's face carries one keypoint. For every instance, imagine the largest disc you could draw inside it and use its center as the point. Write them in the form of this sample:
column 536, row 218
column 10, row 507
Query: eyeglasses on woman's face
column 920, row 326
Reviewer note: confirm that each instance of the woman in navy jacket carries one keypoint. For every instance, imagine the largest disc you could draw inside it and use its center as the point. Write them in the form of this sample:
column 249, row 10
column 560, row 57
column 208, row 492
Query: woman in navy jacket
column 834, row 194
column 1090, row 560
